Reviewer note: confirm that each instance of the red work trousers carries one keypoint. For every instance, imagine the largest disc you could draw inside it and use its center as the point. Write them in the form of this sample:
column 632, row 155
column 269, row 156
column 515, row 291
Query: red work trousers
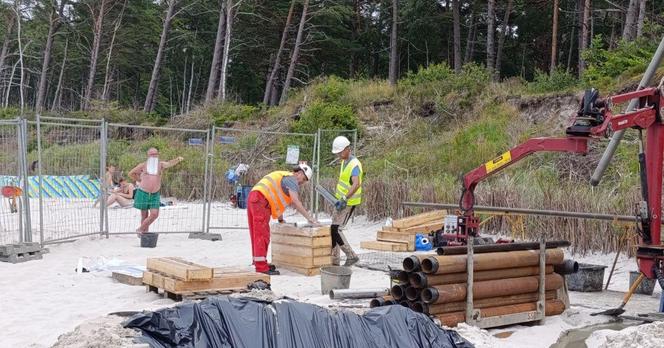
column 258, row 212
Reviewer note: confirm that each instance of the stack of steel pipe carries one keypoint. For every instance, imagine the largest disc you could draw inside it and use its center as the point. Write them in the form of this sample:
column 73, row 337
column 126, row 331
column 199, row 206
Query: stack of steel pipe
column 503, row 283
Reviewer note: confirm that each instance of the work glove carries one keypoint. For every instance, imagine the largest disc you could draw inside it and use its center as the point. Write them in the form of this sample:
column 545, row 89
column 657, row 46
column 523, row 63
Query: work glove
column 341, row 204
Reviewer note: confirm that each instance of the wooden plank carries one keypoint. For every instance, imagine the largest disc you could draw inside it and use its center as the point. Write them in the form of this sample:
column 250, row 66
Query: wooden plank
column 126, row 278
column 316, row 242
column 302, row 270
column 410, row 244
column 297, row 250
column 419, row 219
column 180, row 269
column 383, row 246
column 232, row 269
column 395, row 235
column 221, row 281
column 304, row 262
column 291, row 230
column 425, row 229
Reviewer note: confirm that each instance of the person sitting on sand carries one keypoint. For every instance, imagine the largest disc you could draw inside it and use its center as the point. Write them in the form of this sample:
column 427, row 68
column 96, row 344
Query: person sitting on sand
column 123, row 196
column 111, row 181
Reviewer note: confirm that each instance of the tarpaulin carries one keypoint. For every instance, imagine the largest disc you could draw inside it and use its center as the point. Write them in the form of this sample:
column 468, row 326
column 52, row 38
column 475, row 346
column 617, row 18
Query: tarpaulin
column 247, row 323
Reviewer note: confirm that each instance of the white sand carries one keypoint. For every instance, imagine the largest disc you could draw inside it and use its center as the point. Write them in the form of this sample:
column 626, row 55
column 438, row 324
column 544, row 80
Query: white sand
column 45, row 299
column 642, row 336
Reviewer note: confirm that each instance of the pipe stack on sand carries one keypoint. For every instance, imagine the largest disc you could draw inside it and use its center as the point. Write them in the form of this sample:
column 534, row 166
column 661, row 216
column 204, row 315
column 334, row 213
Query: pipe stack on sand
column 503, row 283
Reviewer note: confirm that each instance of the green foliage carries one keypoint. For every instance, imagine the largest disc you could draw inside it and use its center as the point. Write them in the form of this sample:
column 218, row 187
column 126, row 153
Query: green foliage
column 558, row 81
column 223, row 113
column 326, row 115
column 604, row 65
column 9, row 113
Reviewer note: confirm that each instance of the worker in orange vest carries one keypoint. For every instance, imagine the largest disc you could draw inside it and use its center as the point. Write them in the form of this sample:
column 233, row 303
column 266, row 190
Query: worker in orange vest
column 270, row 197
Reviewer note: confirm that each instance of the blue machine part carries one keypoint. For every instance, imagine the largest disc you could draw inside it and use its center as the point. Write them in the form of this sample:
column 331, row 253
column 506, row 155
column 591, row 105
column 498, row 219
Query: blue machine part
column 422, row 242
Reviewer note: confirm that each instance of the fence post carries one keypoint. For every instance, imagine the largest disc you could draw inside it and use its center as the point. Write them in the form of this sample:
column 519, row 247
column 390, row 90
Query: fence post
column 40, row 179
column 209, row 180
column 102, row 171
column 205, row 183
column 24, row 169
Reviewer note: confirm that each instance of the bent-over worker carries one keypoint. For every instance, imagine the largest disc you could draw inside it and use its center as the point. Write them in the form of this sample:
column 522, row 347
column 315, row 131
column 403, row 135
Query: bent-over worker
column 349, row 194
column 270, row 197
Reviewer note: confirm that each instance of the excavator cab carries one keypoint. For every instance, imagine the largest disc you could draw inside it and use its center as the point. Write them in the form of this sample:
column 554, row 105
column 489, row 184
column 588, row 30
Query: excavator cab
column 589, row 115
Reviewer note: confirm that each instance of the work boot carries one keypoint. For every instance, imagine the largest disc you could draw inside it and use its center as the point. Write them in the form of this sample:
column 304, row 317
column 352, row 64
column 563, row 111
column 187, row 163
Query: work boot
column 351, row 257
column 336, row 256
column 271, row 272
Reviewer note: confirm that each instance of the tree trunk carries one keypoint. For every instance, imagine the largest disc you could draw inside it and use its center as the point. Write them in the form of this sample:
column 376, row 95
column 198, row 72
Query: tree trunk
column 630, row 21
column 470, row 40
column 191, row 83
column 20, row 54
column 490, row 42
column 216, row 56
column 642, row 16
column 57, row 99
column 107, row 77
column 571, row 40
column 394, row 59
column 277, row 60
column 94, row 53
column 296, row 52
column 154, row 80
column 501, row 40
column 457, row 36
column 357, row 24
column 554, row 38
column 5, row 48
column 583, row 43
column 227, row 48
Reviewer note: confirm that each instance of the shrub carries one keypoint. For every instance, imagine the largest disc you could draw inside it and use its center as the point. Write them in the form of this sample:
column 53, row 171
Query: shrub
column 326, row 115
column 604, row 65
column 559, row 80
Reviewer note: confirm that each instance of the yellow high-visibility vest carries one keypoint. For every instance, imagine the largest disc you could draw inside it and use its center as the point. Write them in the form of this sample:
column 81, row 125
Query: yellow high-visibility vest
column 270, row 187
column 343, row 185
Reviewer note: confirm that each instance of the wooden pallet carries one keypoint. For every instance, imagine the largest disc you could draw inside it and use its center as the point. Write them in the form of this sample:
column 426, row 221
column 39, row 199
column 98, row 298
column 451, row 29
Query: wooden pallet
column 23, row 252
column 178, row 268
column 301, row 250
column 384, row 246
column 220, row 281
column 192, row 295
column 306, row 271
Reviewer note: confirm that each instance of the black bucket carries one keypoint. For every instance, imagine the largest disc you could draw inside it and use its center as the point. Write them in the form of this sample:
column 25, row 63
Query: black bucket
column 646, row 287
column 588, row 278
column 149, row 240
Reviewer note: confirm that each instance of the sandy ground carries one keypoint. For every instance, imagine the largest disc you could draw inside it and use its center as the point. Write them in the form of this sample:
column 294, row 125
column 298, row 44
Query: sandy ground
column 45, row 299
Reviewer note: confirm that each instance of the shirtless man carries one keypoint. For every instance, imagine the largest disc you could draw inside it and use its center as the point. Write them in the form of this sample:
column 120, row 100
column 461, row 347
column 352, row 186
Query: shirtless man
column 148, row 177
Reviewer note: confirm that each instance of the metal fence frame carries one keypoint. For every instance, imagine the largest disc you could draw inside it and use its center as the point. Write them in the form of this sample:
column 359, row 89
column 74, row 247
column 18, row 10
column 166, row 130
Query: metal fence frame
column 22, row 134
column 211, row 154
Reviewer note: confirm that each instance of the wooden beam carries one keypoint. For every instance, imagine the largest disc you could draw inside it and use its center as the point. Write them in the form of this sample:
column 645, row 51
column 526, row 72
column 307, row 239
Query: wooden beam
column 219, row 282
column 285, row 249
column 315, row 242
column 383, row 246
column 179, row 268
column 420, row 219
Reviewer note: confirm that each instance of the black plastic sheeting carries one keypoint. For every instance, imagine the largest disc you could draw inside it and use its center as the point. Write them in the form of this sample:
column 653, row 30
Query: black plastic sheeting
column 243, row 322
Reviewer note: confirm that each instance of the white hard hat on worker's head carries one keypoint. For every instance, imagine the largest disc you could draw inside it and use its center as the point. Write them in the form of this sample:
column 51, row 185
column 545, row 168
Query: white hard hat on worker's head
column 306, row 170
column 339, row 144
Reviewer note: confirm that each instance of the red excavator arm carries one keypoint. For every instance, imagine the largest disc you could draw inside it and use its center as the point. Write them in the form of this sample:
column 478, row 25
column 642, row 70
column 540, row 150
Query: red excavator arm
column 593, row 120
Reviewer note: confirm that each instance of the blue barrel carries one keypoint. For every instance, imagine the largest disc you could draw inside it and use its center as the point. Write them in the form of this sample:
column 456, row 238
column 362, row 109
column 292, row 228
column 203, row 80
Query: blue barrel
column 242, row 195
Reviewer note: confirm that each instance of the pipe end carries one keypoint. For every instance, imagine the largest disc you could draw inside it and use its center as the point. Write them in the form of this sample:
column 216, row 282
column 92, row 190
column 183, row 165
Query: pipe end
column 429, row 295
column 397, row 291
column 412, row 293
column 411, row 264
column 376, row 302
column 430, row 265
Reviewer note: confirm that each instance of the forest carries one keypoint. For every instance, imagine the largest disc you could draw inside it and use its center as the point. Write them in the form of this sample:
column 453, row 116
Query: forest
column 168, row 57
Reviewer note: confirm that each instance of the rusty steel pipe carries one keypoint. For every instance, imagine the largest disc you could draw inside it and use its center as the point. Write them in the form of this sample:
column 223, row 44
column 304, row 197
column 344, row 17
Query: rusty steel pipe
column 412, row 263
column 492, row 248
column 443, row 308
column 403, row 277
column 423, row 280
column 489, row 288
column 413, row 293
column 567, row 267
column 382, row 301
column 418, row 307
column 552, row 307
column 482, row 262
column 398, row 291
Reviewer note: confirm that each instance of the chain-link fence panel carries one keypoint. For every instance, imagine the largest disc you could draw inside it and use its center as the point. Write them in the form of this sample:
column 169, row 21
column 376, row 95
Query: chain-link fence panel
column 240, row 158
column 329, row 164
column 64, row 166
column 11, row 208
column 183, row 189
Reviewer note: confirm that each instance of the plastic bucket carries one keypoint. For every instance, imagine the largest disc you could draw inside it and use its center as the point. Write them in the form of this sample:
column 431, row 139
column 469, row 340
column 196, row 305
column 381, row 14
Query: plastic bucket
column 334, row 277
column 149, row 240
column 588, row 278
column 646, row 287
column 242, row 195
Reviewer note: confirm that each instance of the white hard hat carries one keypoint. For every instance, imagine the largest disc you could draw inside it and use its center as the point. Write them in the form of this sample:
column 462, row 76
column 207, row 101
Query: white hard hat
column 339, row 144
column 306, row 170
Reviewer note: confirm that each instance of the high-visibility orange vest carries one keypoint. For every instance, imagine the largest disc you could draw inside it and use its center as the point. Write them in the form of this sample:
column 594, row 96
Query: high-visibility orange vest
column 270, row 187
